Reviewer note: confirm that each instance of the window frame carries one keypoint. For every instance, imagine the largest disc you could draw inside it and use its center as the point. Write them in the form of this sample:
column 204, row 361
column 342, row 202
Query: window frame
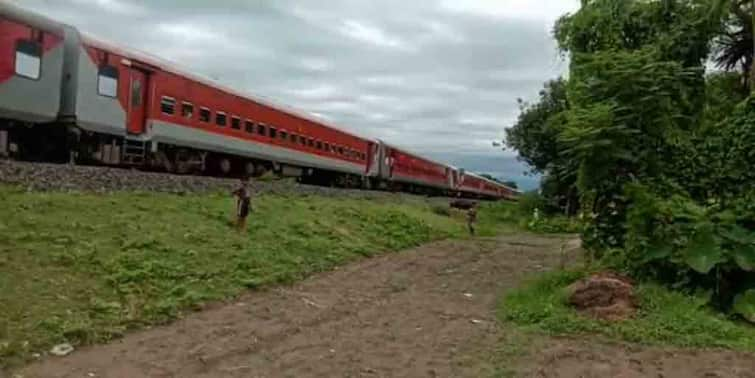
column 37, row 53
column 163, row 100
column 249, row 126
column 272, row 132
column 235, row 122
column 100, row 74
column 218, row 117
column 202, row 111
column 262, row 129
column 184, row 106
column 283, row 135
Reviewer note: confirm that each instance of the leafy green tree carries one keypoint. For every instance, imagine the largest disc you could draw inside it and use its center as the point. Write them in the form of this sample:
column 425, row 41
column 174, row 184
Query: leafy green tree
column 661, row 152
column 511, row 184
column 535, row 137
column 536, row 130
column 735, row 47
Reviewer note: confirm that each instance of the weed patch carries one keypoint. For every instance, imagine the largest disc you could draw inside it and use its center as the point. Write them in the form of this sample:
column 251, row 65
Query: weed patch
column 86, row 268
column 665, row 317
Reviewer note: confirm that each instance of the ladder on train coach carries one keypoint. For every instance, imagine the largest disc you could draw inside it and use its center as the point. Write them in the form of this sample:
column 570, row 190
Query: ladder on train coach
column 134, row 151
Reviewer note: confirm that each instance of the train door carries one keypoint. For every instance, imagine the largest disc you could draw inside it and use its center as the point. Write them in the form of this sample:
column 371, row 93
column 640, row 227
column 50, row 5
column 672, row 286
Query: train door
column 137, row 104
column 371, row 152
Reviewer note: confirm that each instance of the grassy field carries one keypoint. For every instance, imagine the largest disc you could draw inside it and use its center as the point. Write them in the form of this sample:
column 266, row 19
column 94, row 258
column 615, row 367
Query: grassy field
column 665, row 317
column 85, row 268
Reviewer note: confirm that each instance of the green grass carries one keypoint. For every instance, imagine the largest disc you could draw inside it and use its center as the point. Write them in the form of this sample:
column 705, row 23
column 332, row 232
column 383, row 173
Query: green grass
column 665, row 317
column 85, row 268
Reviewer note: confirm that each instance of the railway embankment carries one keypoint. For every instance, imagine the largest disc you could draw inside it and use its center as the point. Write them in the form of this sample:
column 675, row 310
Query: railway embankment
column 97, row 179
column 88, row 255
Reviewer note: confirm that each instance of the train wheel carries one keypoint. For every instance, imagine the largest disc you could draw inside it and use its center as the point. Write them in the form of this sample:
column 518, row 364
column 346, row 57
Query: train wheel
column 182, row 164
column 249, row 169
column 224, row 164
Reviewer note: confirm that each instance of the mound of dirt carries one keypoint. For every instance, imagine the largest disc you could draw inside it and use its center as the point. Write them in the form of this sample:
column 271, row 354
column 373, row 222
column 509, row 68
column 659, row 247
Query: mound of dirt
column 606, row 296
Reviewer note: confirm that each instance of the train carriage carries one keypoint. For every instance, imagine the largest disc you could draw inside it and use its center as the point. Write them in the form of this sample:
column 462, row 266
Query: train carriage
column 400, row 167
column 31, row 66
column 78, row 98
column 181, row 118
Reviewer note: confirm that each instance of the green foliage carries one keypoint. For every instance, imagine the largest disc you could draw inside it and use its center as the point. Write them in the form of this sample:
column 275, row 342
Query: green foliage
column 535, row 137
column 552, row 225
column 442, row 210
column 734, row 45
column 679, row 29
column 537, row 216
column 530, row 201
column 744, row 305
column 86, row 268
column 660, row 154
column 665, row 317
column 701, row 245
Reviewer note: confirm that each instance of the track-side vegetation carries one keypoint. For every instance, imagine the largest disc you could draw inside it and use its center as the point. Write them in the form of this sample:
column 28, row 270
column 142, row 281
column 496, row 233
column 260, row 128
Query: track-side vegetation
column 85, row 268
column 654, row 155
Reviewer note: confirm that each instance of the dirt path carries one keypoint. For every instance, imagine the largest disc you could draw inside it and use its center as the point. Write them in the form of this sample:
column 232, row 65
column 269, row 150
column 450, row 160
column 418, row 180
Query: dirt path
column 428, row 312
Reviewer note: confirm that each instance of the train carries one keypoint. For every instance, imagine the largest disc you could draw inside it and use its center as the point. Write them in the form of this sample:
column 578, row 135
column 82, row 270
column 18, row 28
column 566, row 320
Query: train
column 66, row 96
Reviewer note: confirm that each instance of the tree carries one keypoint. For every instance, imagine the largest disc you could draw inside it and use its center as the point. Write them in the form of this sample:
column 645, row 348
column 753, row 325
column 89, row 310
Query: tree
column 636, row 94
column 535, row 137
column 535, row 132
column 735, row 46
column 511, row 184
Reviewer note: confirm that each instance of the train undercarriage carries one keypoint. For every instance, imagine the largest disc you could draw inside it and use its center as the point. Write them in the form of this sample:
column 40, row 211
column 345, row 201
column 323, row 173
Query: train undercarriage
column 66, row 143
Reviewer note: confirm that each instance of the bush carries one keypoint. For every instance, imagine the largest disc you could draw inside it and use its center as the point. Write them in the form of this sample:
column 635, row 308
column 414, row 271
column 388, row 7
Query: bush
column 553, row 225
column 442, row 210
column 529, row 202
column 665, row 317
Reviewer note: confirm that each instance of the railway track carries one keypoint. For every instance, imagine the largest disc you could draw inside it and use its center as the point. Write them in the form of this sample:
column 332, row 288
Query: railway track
column 64, row 177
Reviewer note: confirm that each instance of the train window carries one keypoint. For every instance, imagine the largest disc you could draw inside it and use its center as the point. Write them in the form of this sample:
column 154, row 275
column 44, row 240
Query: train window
column 326, row 147
column 284, row 135
column 319, row 145
column 28, row 59
column 187, row 110
column 204, row 114
column 221, row 119
column 273, row 132
column 236, row 123
column 294, row 138
column 340, row 151
column 168, row 105
column 261, row 129
column 303, row 141
column 107, row 81
column 311, row 142
column 249, row 126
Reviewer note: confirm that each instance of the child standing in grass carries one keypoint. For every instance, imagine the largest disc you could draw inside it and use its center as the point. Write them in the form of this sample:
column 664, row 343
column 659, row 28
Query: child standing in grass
column 472, row 218
column 243, row 204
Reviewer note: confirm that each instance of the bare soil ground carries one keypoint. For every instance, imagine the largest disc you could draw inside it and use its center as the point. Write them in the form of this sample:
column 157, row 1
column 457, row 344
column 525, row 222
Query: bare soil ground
column 427, row 312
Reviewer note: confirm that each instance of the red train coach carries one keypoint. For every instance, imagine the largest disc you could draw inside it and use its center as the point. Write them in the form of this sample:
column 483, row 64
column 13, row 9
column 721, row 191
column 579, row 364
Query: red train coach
column 78, row 98
column 402, row 168
column 31, row 73
column 192, row 123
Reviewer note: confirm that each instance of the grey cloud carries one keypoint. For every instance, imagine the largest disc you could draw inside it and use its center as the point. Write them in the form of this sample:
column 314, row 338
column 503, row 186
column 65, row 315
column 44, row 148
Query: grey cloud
column 416, row 73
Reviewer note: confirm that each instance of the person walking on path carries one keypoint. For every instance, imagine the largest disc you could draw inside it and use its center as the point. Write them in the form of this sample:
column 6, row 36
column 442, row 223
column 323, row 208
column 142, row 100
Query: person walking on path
column 472, row 218
column 243, row 204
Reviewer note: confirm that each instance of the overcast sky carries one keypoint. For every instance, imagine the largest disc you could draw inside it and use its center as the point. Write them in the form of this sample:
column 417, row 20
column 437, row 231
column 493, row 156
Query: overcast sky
column 440, row 77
